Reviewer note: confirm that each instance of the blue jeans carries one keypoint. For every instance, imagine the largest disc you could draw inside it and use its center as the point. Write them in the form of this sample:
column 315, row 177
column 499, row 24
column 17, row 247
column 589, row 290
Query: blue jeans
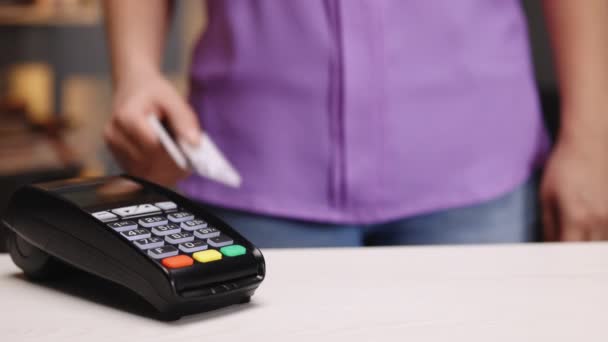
column 511, row 218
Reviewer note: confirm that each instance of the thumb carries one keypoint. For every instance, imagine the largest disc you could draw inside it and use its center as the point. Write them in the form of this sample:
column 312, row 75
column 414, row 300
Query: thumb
column 181, row 118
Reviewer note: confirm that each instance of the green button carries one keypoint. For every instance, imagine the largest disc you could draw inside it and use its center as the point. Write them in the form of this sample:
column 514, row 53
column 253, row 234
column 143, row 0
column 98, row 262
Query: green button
column 234, row 250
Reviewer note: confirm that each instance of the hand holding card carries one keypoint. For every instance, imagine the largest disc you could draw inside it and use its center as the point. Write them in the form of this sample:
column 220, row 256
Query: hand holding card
column 205, row 159
column 167, row 142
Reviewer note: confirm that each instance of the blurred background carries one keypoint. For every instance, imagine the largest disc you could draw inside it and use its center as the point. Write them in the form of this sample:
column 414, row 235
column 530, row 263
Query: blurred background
column 55, row 87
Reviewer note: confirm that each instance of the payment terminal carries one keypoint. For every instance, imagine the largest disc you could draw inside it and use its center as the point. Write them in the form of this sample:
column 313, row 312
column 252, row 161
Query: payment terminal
column 162, row 246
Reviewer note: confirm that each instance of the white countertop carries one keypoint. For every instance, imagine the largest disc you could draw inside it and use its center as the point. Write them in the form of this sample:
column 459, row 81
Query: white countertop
column 489, row 293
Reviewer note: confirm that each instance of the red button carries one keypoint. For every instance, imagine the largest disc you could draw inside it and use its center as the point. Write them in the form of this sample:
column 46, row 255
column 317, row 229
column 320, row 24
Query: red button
column 177, row 261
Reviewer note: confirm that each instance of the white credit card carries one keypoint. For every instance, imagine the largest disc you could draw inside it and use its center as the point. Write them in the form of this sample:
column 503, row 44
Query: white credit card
column 205, row 159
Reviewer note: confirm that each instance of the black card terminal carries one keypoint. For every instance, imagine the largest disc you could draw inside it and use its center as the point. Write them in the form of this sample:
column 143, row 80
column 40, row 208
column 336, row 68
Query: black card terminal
column 162, row 246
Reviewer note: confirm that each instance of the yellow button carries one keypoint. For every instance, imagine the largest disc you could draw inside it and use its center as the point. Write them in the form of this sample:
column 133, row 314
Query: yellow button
column 207, row 256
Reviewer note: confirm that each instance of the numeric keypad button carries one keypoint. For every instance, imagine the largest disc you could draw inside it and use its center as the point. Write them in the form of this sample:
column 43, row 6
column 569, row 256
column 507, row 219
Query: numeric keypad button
column 152, row 221
column 207, row 233
column 207, row 256
column 193, row 246
column 180, row 217
column 151, row 242
column 136, row 234
column 193, row 225
column 166, row 229
column 123, row 225
column 179, row 237
column 168, row 205
column 104, row 216
column 220, row 241
column 162, row 252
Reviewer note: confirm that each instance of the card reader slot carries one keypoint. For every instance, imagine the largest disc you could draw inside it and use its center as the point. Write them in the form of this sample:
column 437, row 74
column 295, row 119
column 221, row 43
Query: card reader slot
column 220, row 287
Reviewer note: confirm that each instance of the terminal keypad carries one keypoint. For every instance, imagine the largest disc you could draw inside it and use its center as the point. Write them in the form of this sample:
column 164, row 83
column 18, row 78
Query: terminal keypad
column 175, row 238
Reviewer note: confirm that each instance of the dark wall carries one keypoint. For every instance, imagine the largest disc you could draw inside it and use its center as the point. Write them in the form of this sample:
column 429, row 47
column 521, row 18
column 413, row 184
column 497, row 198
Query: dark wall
column 540, row 44
column 543, row 64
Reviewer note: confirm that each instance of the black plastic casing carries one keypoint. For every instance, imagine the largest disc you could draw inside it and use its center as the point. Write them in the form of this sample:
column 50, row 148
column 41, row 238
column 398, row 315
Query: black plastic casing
column 66, row 231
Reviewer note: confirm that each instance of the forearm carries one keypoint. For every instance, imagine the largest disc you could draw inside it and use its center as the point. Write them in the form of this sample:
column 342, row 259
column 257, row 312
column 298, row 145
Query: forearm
column 578, row 31
column 136, row 31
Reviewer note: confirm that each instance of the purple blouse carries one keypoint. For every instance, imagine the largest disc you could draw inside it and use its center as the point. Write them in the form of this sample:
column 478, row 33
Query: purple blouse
column 361, row 111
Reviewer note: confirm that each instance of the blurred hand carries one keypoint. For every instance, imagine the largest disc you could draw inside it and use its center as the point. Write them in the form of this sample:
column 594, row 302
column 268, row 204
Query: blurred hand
column 131, row 139
column 574, row 191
